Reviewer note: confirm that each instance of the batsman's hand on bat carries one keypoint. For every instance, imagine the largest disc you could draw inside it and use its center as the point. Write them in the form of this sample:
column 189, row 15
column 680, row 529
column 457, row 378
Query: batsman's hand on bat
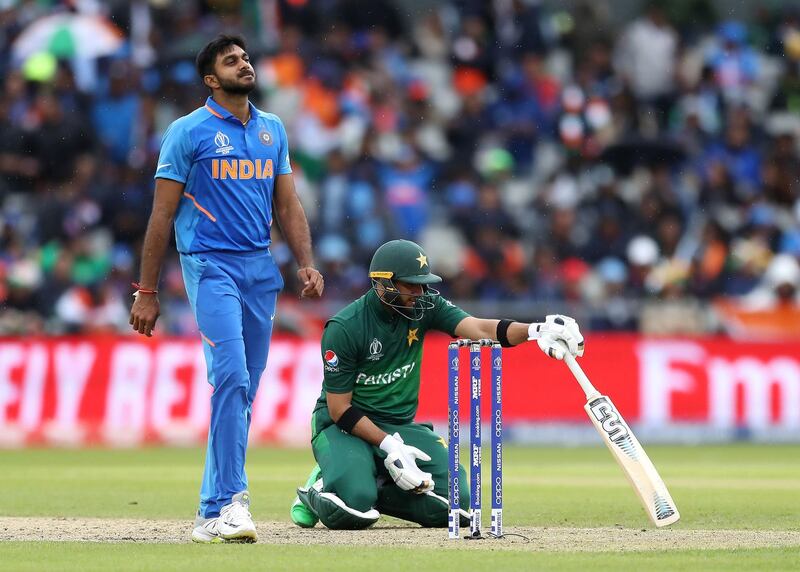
column 402, row 466
column 556, row 335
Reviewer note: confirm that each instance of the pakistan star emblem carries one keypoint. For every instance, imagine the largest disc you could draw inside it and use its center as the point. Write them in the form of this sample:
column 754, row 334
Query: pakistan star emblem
column 412, row 335
column 422, row 259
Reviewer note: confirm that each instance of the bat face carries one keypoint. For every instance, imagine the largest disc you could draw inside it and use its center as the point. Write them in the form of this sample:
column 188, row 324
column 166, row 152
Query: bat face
column 633, row 460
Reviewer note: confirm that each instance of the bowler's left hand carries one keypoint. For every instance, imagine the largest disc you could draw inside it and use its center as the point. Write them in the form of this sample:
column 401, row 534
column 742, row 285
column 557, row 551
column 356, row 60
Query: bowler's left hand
column 313, row 283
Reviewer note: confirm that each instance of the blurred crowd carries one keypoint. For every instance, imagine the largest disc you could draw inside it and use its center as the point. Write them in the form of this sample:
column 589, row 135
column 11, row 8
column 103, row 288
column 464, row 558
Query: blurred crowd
column 540, row 155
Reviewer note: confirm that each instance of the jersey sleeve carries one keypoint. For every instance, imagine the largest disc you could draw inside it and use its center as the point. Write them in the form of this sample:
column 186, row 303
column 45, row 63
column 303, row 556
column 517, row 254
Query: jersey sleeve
column 284, row 166
column 338, row 359
column 175, row 159
column 445, row 316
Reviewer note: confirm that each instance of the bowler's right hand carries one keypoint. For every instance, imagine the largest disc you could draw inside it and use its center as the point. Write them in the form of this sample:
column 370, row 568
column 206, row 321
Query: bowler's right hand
column 144, row 313
column 313, row 283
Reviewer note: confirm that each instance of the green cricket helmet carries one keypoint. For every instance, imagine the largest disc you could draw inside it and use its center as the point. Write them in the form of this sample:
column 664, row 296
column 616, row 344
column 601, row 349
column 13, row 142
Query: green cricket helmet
column 403, row 261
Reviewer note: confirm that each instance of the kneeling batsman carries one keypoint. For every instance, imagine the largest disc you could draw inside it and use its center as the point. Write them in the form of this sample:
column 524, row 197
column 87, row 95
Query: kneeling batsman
column 373, row 457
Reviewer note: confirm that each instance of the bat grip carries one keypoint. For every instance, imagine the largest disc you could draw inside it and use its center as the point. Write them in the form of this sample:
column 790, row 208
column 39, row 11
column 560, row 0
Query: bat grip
column 580, row 377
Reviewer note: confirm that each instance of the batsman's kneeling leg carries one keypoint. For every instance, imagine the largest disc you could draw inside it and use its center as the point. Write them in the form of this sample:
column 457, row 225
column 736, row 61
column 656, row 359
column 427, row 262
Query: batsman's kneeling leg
column 334, row 513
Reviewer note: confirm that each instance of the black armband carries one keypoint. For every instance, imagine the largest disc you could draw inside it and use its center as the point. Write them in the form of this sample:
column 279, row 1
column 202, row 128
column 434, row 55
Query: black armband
column 349, row 418
column 502, row 333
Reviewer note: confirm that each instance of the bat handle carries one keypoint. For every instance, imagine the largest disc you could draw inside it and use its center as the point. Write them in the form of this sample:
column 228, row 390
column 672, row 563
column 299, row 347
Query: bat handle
column 580, row 377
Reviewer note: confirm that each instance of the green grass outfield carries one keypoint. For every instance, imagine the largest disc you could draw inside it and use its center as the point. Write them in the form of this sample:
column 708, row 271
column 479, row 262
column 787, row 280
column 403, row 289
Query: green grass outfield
column 752, row 487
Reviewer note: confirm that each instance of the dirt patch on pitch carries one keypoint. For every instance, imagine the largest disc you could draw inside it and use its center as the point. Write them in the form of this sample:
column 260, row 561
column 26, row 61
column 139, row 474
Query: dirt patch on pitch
column 398, row 535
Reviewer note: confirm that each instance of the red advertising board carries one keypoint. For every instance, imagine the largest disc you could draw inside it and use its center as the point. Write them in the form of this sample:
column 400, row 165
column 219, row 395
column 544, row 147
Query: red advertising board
column 126, row 390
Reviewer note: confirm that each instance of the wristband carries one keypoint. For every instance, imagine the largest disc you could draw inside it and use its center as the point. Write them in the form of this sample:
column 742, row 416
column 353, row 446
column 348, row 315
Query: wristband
column 502, row 333
column 140, row 290
column 349, row 418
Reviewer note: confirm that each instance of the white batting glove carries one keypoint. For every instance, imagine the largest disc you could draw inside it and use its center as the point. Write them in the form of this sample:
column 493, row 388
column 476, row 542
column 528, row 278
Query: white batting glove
column 402, row 466
column 556, row 333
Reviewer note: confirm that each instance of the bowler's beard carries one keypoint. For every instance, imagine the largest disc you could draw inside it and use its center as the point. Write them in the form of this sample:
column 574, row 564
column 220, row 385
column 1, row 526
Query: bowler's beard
column 235, row 88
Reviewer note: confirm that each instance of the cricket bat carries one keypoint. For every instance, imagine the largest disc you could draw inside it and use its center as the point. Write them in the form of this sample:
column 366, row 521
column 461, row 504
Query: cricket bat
column 627, row 450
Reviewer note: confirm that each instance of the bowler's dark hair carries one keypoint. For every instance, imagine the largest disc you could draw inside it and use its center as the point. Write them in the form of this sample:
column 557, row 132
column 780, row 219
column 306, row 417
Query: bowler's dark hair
column 219, row 45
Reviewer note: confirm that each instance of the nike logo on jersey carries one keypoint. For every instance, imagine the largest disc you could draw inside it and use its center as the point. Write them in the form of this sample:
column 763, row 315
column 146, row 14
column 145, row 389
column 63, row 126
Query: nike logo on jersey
column 162, row 165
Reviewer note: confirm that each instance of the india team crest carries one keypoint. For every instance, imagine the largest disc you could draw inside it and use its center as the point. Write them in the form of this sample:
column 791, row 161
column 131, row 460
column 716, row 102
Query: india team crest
column 265, row 137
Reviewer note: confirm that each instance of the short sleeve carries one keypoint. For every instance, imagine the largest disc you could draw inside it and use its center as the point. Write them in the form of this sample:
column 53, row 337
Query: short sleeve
column 175, row 159
column 445, row 316
column 338, row 359
column 284, row 166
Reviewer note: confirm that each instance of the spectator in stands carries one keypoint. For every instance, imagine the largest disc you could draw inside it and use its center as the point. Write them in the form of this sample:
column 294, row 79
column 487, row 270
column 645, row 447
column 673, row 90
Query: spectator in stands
column 480, row 123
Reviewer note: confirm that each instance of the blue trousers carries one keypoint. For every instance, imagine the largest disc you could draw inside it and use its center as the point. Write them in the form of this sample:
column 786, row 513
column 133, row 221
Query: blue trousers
column 233, row 297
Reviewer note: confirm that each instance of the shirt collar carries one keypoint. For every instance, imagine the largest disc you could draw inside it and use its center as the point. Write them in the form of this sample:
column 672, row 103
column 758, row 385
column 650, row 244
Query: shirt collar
column 223, row 113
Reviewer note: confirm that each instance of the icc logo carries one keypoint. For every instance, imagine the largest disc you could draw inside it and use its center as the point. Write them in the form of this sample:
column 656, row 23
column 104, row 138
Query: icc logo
column 221, row 139
column 454, row 364
column 223, row 143
column 375, row 349
column 498, row 362
column 476, row 363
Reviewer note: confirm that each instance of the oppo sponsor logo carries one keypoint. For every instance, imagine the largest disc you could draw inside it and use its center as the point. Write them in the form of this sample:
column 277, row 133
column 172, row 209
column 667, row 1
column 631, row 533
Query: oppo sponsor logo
column 456, row 425
column 456, row 487
column 498, row 491
column 498, row 424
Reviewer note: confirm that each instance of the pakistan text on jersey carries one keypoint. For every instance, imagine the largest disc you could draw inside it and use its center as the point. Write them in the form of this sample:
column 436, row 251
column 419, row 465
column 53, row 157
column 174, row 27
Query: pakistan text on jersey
column 241, row 169
column 385, row 378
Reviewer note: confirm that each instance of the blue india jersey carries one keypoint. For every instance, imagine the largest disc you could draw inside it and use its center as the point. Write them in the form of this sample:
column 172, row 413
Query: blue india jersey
column 229, row 171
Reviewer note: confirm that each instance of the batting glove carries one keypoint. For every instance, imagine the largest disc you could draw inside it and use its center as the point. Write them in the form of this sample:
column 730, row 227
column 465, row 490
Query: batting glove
column 402, row 466
column 556, row 333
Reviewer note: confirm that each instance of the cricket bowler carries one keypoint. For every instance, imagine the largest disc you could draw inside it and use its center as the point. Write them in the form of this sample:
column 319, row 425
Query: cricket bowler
column 372, row 457
column 223, row 175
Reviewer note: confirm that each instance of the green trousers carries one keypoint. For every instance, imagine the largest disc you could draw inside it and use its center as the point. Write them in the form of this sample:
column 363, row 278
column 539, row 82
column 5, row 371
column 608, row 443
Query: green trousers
column 354, row 470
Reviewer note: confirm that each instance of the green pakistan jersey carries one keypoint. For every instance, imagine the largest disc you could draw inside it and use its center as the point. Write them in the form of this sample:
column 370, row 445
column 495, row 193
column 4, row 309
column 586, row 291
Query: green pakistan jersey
column 376, row 353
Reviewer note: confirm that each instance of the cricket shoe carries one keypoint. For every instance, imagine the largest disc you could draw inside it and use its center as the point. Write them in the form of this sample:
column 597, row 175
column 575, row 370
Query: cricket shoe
column 235, row 523
column 300, row 514
column 205, row 530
